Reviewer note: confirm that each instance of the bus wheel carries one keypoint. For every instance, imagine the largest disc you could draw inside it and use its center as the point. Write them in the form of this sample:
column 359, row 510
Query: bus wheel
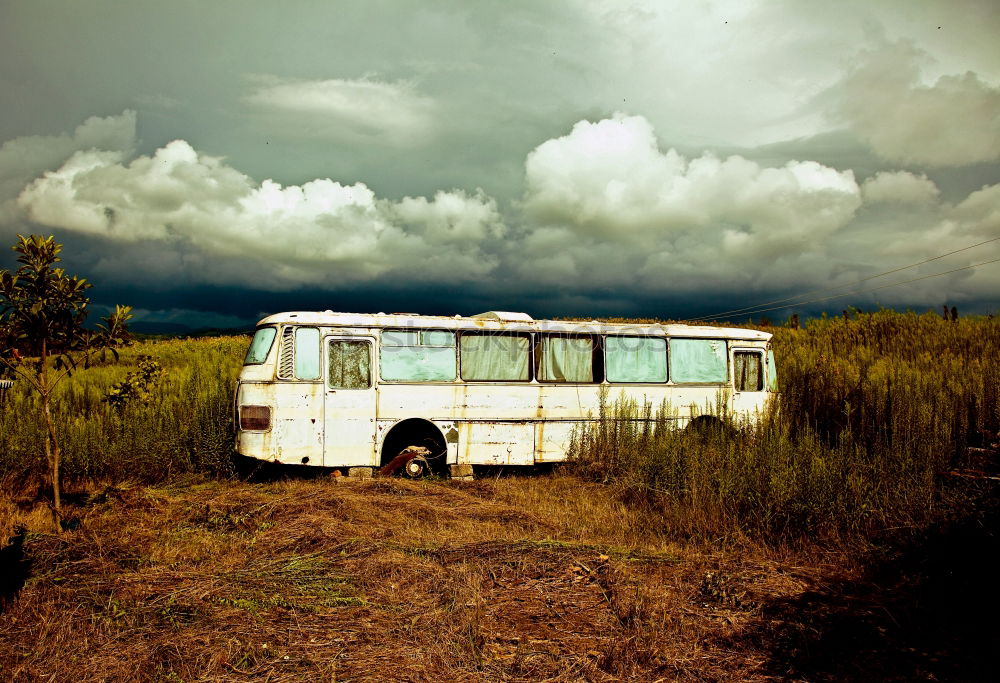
column 410, row 440
column 705, row 426
column 412, row 462
column 417, row 467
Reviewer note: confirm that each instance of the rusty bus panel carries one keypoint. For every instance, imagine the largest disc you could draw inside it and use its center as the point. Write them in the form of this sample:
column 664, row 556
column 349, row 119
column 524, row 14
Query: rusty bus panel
column 553, row 438
column 496, row 443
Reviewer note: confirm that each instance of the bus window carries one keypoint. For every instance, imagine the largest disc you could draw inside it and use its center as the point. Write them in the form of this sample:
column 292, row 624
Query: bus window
column 772, row 372
column 635, row 359
column 565, row 359
column 307, row 353
column 417, row 355
column 495, row 357
column 698, row 361
column 748, row 371
column 350, row 365
column 260, row 346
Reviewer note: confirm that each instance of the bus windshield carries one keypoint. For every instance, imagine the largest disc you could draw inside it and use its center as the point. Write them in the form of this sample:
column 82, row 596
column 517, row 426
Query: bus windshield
column 260, row 346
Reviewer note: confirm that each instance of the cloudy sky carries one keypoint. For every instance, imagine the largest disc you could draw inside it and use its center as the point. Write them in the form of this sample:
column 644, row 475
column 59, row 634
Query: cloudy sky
column 211, row 162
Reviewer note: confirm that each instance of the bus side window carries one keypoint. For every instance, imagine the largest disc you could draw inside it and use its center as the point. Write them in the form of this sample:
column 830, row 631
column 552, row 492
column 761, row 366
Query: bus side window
column 495, row 357
column 417, row 356
column 350, row 365
column 772, row 372
column 566, row 359
column 307, row 353
column 636, row 359
column 748, row 371
column 698, row 361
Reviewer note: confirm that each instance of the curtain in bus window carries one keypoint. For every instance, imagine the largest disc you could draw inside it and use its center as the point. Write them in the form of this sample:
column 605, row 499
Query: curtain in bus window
column 566, row 359
column 772, row 372
column 498, row 357
column 747, row 371
column 636, row 359
column 260, row 345
column 307, row 353
column 701, row 361
column 350, row 365
column 417, row 355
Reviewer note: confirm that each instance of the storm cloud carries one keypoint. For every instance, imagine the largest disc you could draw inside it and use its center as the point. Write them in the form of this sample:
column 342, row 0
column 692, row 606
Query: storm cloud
column 566, row 158
column 953, row 121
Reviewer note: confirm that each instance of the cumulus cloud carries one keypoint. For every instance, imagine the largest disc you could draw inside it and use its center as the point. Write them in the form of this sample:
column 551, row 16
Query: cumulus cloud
column 213, row 223
column 899, row 186
column 980, row 211
column 360, row 109
column 611, row 179
column 25, row 158
column 952, row 122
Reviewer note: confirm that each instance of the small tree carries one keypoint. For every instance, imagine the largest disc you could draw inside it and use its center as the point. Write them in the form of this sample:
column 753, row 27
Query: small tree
column 42, row 337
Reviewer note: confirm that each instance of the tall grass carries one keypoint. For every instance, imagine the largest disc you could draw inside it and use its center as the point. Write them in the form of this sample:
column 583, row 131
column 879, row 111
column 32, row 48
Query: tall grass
column 873, row 414
column 917, row 383
column 186, row 426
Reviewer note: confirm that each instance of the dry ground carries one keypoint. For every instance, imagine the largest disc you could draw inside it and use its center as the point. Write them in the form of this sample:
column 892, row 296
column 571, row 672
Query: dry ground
column 528, row 578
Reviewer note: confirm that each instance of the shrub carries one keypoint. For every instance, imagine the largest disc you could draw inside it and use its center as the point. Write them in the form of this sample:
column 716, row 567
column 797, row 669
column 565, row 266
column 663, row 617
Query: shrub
column 137, row 387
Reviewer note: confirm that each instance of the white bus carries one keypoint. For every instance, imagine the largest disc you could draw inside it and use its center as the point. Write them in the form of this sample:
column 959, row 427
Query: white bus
column 354, row 391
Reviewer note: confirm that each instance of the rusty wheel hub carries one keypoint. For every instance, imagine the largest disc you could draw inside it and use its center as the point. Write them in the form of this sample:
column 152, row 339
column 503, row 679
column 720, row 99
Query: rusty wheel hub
column 417, row 467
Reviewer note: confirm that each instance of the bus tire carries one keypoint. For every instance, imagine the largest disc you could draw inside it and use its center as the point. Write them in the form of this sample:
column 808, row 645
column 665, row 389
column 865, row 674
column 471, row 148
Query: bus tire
column 706, row 426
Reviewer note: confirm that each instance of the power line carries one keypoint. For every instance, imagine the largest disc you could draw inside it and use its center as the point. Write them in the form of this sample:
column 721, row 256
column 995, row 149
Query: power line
column 873, row 289
column 751, row 309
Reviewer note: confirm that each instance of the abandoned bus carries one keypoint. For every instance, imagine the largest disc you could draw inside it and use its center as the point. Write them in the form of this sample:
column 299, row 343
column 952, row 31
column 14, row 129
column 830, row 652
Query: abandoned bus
column 354, row 391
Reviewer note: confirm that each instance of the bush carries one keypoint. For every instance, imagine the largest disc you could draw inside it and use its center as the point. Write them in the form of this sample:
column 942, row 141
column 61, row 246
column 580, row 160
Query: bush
column 137, row 387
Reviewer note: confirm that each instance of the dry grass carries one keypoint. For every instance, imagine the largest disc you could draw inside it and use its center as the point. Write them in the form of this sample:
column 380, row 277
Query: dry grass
column 528, row 578
column 543, row 578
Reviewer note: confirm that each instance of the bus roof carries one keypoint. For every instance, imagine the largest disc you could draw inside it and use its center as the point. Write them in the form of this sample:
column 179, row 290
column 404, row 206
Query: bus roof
column 508, row 322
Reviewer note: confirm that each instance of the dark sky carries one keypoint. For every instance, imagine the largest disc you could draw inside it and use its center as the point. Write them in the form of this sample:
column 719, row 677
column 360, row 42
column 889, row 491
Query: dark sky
column 210, row 163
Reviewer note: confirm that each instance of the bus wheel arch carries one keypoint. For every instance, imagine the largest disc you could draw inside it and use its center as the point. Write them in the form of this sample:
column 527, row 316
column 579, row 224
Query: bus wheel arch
column 408, row 436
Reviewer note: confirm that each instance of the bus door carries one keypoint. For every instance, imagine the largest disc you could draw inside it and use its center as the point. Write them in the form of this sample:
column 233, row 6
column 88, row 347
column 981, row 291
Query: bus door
column 349, row 406
column 748, row 381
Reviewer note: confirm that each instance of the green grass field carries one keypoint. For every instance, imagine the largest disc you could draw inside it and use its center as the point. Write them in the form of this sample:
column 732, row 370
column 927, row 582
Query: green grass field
column 185, row 427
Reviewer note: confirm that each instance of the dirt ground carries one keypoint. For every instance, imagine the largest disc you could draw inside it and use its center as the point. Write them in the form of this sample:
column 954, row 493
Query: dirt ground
column 527, row 578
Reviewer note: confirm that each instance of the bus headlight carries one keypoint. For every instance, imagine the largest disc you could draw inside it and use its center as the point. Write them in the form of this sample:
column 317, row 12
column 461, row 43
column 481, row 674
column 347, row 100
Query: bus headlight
column 255, row 418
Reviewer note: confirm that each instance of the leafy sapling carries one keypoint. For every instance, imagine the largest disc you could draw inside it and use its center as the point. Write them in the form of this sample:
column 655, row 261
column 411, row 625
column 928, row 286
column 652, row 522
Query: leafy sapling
column 42, row 334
